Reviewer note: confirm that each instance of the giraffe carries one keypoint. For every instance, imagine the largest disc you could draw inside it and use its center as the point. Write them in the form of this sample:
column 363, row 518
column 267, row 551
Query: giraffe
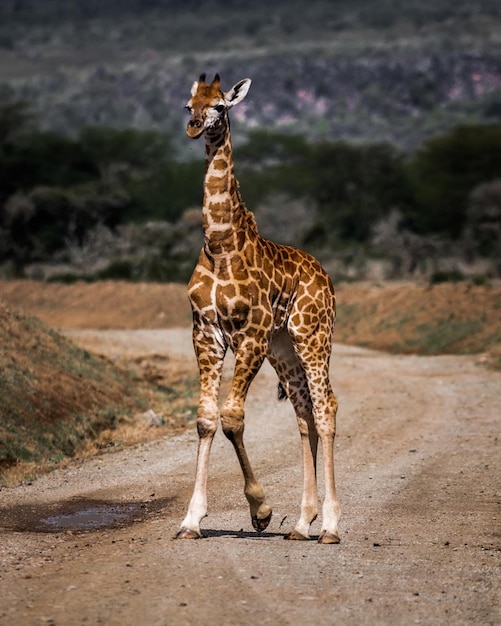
column 261, row 300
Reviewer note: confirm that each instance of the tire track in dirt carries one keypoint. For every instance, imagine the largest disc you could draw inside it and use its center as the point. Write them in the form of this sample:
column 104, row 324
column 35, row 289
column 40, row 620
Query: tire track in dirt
column 418, row 466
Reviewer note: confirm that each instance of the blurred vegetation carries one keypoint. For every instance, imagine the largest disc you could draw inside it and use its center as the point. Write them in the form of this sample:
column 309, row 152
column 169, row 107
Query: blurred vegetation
column 260, row 20
column 364, row 70
column 115, row 203
column 444, row 172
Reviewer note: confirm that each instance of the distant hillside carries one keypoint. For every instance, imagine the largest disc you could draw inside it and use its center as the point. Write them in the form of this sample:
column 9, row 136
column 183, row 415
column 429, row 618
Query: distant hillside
column 288, row 17
column 355, row 70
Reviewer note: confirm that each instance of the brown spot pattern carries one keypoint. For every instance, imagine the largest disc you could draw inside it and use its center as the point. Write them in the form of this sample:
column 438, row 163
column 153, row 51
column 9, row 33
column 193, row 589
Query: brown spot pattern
column 262, row 300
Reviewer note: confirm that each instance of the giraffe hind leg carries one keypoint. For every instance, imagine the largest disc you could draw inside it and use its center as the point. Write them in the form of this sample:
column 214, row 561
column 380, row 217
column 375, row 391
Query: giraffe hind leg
column 294, row 384
column 316, row 366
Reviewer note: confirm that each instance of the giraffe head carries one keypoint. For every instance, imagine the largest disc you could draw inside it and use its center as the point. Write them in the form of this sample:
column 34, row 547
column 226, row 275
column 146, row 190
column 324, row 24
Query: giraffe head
column 208, row 105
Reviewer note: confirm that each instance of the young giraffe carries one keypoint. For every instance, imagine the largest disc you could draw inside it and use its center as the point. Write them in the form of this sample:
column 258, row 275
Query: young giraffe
column 262, row 300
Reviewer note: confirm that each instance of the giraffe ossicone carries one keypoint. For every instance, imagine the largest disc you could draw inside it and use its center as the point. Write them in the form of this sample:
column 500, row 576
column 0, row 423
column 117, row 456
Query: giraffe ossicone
column 263, row 301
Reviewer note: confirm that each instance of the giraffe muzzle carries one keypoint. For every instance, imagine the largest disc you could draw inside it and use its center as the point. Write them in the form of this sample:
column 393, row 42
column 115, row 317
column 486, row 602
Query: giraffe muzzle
column 195, row 128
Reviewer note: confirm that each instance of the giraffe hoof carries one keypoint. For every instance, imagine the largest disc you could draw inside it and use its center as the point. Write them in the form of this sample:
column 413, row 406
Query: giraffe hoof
column 326, row 537
column 294, row 535
column 261, row 524
column 187, row 533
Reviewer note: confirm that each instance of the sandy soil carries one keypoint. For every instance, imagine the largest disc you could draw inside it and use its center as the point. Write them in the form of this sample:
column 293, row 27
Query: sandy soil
column 418, row 467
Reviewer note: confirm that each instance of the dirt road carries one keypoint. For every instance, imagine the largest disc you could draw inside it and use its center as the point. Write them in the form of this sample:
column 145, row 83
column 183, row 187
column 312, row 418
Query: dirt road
column 418, row 472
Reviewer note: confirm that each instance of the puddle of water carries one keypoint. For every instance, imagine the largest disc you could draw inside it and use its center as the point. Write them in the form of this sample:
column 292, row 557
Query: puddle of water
column 79, row 515
column 100, row 516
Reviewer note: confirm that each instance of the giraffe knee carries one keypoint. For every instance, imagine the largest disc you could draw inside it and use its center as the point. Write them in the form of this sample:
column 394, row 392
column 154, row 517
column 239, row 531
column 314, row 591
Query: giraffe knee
column 232, row 427
column 207, row 417
column 232, row 421
column 206, row 427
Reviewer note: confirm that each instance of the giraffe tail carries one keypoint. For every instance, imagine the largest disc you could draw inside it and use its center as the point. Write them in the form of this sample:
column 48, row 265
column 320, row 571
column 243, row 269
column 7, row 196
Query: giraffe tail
column 282, row 394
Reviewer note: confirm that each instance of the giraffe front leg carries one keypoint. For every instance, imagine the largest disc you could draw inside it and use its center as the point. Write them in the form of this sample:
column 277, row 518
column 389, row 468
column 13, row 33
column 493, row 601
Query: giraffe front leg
column 197, row 509
column 232, row 418
column 210, row 355
column 248, row 360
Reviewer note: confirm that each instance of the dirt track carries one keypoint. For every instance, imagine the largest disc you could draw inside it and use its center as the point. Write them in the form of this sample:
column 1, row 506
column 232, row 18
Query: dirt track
column 418, row 467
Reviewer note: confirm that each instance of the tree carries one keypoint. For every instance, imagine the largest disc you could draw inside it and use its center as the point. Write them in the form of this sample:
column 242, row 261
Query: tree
column 15, row 117
column 266, row 149
column 116, row 152
column 482, row 232
column 47, row 158
column 355, row 185
column 165, row 191
column 444, row 172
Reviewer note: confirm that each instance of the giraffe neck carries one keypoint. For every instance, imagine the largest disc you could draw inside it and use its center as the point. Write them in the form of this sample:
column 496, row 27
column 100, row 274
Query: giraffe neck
column 224, row 213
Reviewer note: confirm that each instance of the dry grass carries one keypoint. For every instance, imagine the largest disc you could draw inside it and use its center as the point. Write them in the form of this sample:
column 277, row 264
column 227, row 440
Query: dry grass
column 452, row 318
column 60, row 403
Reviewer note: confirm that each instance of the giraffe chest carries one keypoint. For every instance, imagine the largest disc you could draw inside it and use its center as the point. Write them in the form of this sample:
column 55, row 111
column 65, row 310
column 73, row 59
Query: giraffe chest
column 238, row 298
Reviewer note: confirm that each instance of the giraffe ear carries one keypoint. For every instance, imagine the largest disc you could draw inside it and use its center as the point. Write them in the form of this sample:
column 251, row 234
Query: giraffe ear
column 238, row 92
column 194, row 88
